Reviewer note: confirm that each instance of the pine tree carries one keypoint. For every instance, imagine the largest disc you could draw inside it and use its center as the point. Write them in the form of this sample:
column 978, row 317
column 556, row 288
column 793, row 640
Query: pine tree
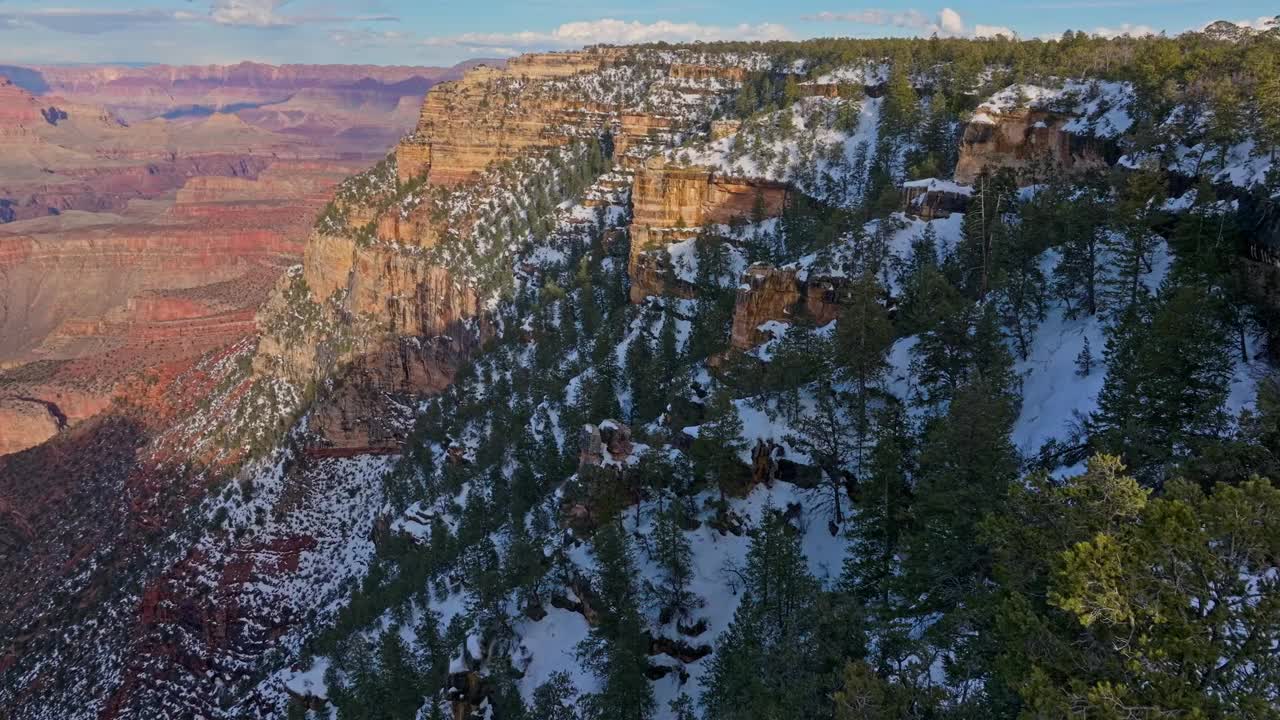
column 1084, row 360
column 644, row 379
column 883, row 510
column 1090, row 564
column 984, row 231
column 1019, row 285
column 1169, row 371
column 764, row 665
column 599, row 394
column 967, row 463
column 668, row 353
column 1133, row 241
column 616, row 651
column 555, row 699
column 823, row 435
column 863, row 338
column 674, row 556
column 1075, row 217
column 682, row 708
column 719, row 443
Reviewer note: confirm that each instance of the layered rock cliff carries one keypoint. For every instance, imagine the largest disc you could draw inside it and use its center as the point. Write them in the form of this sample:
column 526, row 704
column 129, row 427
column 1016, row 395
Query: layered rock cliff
column 1069, row 129
column 398, row 280
column 780, row 295
column 671, row 203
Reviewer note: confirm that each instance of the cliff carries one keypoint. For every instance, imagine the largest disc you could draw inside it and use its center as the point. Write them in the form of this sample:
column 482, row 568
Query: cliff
column 1018, row 138
column 137, row 93
column 671, row 203
column 537, row 102
column 1071, row 128
column 769, row 294
column 392, row 295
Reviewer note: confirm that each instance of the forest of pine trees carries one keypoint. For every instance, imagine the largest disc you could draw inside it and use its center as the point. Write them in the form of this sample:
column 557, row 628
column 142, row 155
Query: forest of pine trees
column 1125, row 569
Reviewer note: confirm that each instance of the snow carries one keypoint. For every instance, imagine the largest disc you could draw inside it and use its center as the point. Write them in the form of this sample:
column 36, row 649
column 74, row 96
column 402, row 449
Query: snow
column 936, row 185
column 868, row 73
column 550, row 646
column 309, row 682
column 1099, row 108
column 812, row 155
column 684, row 262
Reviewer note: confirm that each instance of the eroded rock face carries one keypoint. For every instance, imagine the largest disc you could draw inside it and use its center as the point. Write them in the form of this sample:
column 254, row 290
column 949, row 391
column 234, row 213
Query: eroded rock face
column 389, row 321
column 497, row 113
column 671, row 203
column 1017, row 138
column 26, row 422
column 493, row 114
column 608, row 442
column 769, row 294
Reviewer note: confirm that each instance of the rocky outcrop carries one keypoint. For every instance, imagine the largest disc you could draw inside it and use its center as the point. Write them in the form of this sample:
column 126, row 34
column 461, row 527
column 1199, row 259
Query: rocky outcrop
column 1017, row 138
column 769, row 294
column 387, row 323
column 493, row 114
column 604, row 444
column 932, row 199
column 26, row 422
column 19, row 111
column 671, row 203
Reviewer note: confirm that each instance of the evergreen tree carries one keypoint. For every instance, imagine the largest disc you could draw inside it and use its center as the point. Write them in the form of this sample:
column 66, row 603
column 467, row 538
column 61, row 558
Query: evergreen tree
column 645, row 379
column 1169, row 371
column 674, row 557
column 764, row 665
column 1020, row 287
column 883, row 510
column 967, row 463
column 668, row 352
column 800, row 358
column 1133, row 241
column 616, row 651
column 555, row 699
column 863, row 338
column 1075, row 217
column 823, row 435
column 1085, row 360
column 682, row 708
column 716, row 449
column 1102, row 616
column 984, row 232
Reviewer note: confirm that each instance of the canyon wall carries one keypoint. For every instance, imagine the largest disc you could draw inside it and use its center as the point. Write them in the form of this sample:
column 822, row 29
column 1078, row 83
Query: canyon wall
column 769, row 294
column 1020, row 137
column 671, row 203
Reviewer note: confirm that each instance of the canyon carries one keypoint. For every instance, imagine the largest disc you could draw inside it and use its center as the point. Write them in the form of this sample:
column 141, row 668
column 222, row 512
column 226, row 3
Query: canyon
column 227, row 369
column 141, row 226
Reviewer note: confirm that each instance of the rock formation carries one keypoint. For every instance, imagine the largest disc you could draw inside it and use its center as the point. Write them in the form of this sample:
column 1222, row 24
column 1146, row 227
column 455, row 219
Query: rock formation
column 671, row 203
column 396, row 322
column 769, row 294
column 1017, row 138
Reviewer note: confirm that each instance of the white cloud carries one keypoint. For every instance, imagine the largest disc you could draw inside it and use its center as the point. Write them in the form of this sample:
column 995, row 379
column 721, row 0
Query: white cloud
column 990, row 31
column 899, row 18
column 950, row 22
column 1125, row 29
column 609, row 31
column 258, row 13
column 947, row 23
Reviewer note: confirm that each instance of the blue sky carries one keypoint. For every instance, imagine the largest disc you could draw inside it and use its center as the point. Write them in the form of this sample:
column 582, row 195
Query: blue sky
column 430, row 32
